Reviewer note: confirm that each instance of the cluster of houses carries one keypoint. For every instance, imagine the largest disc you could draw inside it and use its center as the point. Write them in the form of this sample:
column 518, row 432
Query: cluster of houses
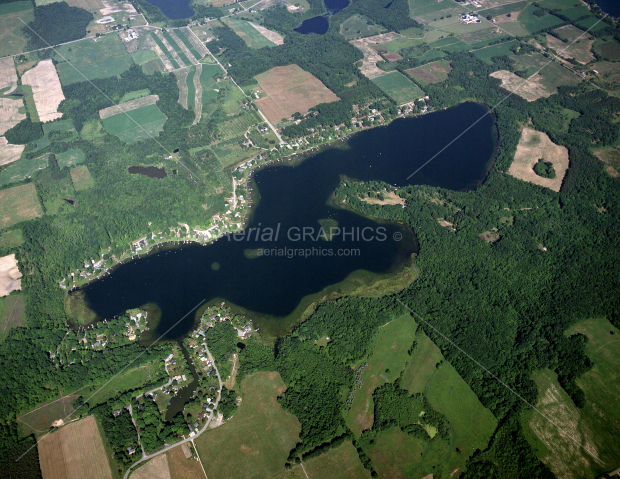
column 470, row 18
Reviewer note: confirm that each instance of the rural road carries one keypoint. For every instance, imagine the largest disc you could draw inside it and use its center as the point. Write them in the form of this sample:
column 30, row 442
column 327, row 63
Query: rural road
column 146, row 457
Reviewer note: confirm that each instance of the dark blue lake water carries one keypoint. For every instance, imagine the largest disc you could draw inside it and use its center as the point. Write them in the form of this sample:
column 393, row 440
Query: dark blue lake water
column 174, row 9
column 320, row 25
column 294, row 198
column 610, row 7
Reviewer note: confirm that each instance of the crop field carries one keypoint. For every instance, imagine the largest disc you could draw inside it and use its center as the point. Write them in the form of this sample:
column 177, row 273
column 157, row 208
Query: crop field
column 22, row 169
column 609, row 49
column 10, row 277
column 250, row 35
column 181, row 467
column 40, row 419
column 90, row 5
column 534, row 24
column 176, row 47
column 182, row 35
column 230, row 152
column 191, row 88
column 81, row 178
column 581, row 50
column 181, row 76
column 10, row 114
column 499, row 50
column 419, row 8
column 576, row 13
column 592, row 24
column 435, row 72
column 46, row 89
column 396, row 454
column 12, row 40
column 162, row 51
column 70, row 158
column 399, row 87
column 136, row 125
column 180, row 46
column 156, row 468
column 75, row 451
column 10, row 239
column 290, row 89
column 342, row 462
column 12, row 312
column 101, row 59
column 534, row 145
column 270, row 35
column 8, row 74
column 133, row 95
column 237, row 126
column 388, row 359
column 479, row 36
column 503, row 9
column 166, row 45
column 9, row 153
column 255, row 443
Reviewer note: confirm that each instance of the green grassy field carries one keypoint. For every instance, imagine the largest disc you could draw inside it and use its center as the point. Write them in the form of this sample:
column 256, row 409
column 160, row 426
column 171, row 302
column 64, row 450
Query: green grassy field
column 11, row 239
column 101, row 59
column 423, row 363
column 358, row 26
column 70, row 158
column 419, row 8
column 229, row 152
column 386, row 362
column 132, row 95
column 553, row 75
column 58, row 130
column 148, row 60
column 81, row 178
column 479, row 36
column 26, row 90
column 592, row 24
column 255, row 443
column 176, row 48
column 249, row 34
column 14, row 7
column 237, row 126
column 534, row 24
column 577, row 13
column 136, row 125
column 558, row 4
column 191, row 88
column 503, row 9
column 431, row 72
column 342, row 462
column 183, row 37
column 12, row 312
column 12, row 39
column 399, row 87
column 19, row 203
column 501, row 49
column 22, row 169
column 170, row 58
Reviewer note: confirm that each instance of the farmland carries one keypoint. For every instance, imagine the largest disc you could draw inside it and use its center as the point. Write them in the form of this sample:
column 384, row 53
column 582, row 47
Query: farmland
column 182, row 467
column 399, row 87
column 237, row 126
column 75, row 451
column 250, row 35
column 9, row 153
column 156, row 468
column 290, row 89
column 70, row 158
column 136, row 125
column 341, row 462
column 40, row 419
column 93, row 59
column 46, row 89
column 22, row 169
column 256, row 441
column 577, row 44
column 81, row 178
column 170, row 42
column 12, row 40
column 10, row 277
column 12, row 313
column 358, row 26
column 435, row 72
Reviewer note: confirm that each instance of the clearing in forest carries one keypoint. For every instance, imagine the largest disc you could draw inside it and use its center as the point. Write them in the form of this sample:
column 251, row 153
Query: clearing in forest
column 81, row 178
column 70, row 158
column 10, row 114
column 18, row 204
column 290, row 89
column 435, row 72
column 371, row 57
column 398, row 87
column 40, row 419
column 342, row 462
column 10, row 277
column 533, row 146
column 12, row 314
column 256, row 442
column 22, row 169
column 46, row 90
column 136, row 125
column 74, row 451
column 156, row 468
column 128, row 106
column 270, row 35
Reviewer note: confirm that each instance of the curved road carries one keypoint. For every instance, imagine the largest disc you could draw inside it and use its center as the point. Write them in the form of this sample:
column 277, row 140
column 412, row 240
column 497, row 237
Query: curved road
column 146, row 457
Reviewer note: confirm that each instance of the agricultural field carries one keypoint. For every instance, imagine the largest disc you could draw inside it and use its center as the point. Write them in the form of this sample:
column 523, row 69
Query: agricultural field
column 238, row 125
column 290, row 89
column 154, row 42
column 133, row 95
column 81, row 178
column 609, row 49
column 9, row 153
column 11, row 239
column 148, row 60
column 611, row 157
column 533, row 24
column 230, row 151
column 191, row 87
column 74, row 451
column 390, row 353
column 10, row 277
column 399, row 87
column 59, row 130
column 184, row 35
column 21, row 169
column 70, row 158
column 255, row 443
column 577, row 44
column 182, row 467
column 534, row 145
column 396, row 454
column 12, row 40
column 137, row 124
column 168, row 39
column 12, row 312
column 46, row 90
column 90, row 5
column 8, row 74
column 499, row 50
column 592, row 24
column 10, row 114
column 40, row 419
column 102, row 58
column 435, row 72
column 250, row 35
column 168, row 45
column 156, row 468
column 270, row 35
column 342, row 462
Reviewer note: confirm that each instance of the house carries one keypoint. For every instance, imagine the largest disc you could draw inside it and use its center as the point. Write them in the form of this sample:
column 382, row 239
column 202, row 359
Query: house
column 201, row 415
column 130, row 450
column 116, row 413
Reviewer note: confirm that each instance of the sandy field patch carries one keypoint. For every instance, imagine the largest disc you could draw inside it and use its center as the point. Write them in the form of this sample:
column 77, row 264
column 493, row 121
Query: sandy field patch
column 181, row 76
column 184, row 49
column 268, row 34
column 371, row 57
column 9, row 153
column 74, row 451
column 156, row 468
column 46, row 90
column 149, row 44
column 534, row 145
column 198, row 45
column 110, row 6
column 171, row 50
column 531, row 89
column 198, row 95
column 8, row 75
column 290, row 89
column 128, row 106
column 9, row 113
column 581, row 51
column 391, row 198
column 10, row 277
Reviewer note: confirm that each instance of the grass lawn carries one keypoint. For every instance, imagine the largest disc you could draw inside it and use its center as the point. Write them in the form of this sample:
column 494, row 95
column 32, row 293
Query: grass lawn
column 399, row 87
column 256, row 441
column 101, row 59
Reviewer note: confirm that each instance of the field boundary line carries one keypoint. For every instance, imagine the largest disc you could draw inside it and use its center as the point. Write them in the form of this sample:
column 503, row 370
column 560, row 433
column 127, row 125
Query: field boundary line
column 116, row 375
column 502, row 100
column 562, row 431
column 110, row 100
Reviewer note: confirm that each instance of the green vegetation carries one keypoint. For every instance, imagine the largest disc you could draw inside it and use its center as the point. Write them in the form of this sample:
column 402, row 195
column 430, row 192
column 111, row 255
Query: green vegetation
column 22, row 169
column 136, row 125
column 534, row 19
column 249, row 34
column 544, row 168
column 11, row 239
column 191, row 88
column 183, row 37
column 503, row 49
column 24, row 132
column 70, row 158
column 11, row 307
column 359, row 26
column 56, row 23
column 398, row 87
column 81, row 177
column 176, row 48
column 132, row 95
column 161, row 45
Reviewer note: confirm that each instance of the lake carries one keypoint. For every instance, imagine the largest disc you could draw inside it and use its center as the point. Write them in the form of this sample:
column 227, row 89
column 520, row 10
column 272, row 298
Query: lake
column 610, row 7
column 320, row 25
column 174, row 9
column 275, row 287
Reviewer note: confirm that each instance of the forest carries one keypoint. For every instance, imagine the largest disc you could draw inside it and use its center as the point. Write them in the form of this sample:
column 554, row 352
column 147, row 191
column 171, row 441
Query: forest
column 56, row 23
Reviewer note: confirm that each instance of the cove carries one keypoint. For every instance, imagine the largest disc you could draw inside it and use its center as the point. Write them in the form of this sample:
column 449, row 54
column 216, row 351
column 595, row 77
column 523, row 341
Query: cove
column 296, row 197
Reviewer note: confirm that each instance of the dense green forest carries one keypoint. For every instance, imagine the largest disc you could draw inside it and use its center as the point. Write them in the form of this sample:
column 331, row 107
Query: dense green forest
column 56, row 23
